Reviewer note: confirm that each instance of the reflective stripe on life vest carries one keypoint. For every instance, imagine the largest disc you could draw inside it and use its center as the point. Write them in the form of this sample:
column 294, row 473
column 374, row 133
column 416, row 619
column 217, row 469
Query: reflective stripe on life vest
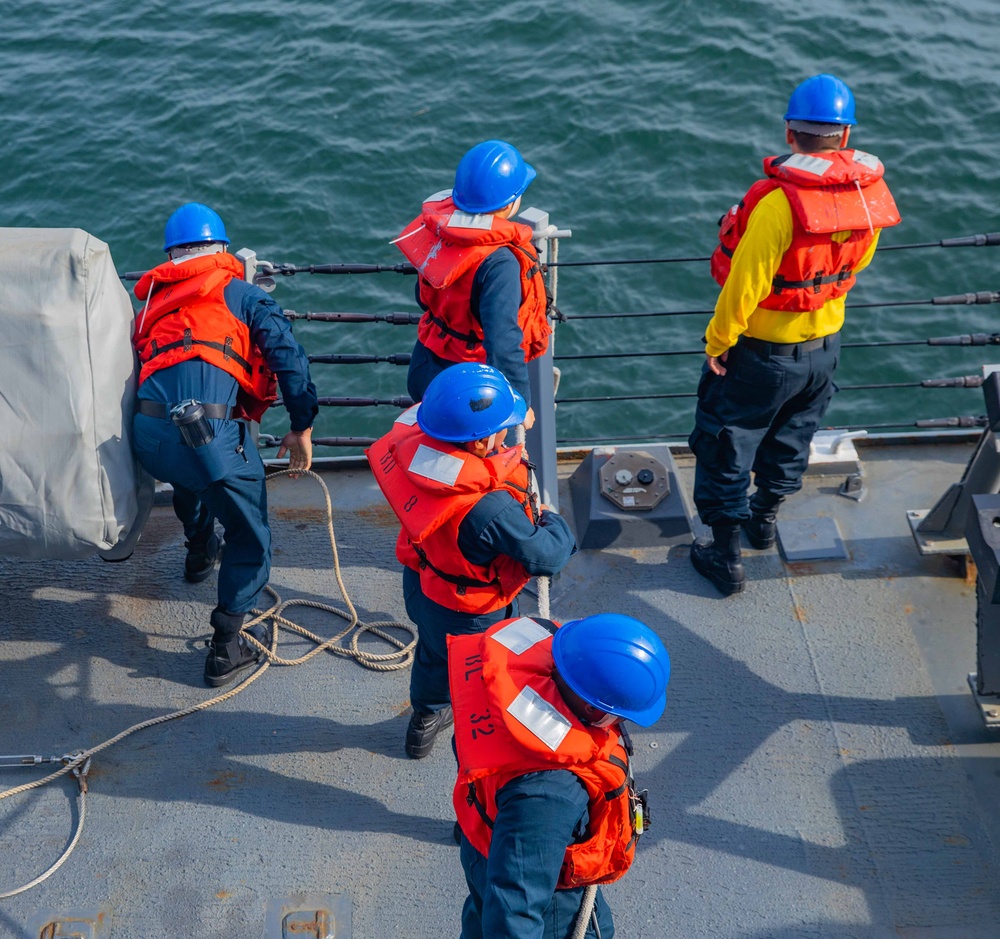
column 447, row 246
column 431, row 486
column 510, row 720
column 841, row 191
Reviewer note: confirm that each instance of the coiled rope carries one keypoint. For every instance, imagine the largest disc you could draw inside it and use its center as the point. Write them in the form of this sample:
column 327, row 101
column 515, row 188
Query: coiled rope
column 79, row 763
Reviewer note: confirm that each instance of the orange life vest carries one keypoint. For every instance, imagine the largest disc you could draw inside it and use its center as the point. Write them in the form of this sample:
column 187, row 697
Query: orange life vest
column 828, row 192
column 185, row 317
column 510, row 719
column 446, row 246
column 431, row 486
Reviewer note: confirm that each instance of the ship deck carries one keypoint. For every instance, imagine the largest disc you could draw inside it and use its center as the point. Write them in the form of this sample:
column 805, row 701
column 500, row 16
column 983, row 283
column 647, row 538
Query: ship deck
column 821, row 771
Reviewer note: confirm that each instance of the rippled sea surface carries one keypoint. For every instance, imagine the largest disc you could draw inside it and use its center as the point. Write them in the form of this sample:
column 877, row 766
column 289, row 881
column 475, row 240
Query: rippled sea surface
column 316, row 128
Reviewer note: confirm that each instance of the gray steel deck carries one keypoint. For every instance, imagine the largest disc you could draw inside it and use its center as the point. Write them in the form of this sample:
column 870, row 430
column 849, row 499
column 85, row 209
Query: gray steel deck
column 820, row 773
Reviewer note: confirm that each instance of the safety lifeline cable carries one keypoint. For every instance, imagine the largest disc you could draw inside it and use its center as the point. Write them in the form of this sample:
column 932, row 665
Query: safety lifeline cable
column 79, row 763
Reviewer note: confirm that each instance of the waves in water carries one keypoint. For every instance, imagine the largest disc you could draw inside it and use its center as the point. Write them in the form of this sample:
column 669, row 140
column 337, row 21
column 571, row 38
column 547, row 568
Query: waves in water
column 316, row 129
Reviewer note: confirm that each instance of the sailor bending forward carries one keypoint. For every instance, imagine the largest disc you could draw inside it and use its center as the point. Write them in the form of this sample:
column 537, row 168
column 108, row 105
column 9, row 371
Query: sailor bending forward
column 472, row 533
column 211, row 341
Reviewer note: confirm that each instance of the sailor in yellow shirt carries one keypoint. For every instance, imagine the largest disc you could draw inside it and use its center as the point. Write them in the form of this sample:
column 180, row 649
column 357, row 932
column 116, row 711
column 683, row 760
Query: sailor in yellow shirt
column 788, row 255
column 768, row 237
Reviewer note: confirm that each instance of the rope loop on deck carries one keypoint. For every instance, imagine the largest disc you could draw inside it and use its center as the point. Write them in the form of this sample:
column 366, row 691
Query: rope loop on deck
column 78, row 763
column 382, row 662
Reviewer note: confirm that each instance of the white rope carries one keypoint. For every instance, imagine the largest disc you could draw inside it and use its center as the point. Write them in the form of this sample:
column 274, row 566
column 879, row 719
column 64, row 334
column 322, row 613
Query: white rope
column 389, row 661
column 65, row 854
column 543, row 597
column 586, row 908
column 864, row 204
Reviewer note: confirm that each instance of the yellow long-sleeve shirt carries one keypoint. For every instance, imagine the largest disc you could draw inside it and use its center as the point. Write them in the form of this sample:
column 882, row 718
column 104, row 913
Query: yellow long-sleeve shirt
column 754, row 263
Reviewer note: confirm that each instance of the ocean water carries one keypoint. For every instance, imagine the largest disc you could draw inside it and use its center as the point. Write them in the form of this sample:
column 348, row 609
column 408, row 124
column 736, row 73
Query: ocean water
column 316, row 128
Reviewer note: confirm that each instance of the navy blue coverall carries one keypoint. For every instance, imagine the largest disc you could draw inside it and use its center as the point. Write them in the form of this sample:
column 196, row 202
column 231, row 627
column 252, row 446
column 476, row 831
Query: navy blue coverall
column 495, row 301
column 495, row 525
column 512, row 893
column 239, row 499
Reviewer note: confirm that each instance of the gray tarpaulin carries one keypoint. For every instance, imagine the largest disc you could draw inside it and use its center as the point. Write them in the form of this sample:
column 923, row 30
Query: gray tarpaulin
column 68, row 480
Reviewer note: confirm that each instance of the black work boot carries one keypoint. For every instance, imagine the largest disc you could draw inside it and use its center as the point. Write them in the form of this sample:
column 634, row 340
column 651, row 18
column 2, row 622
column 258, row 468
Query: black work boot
column 202, row 556
column 228, row 660
column 720, row 559
column 229, row 654
column 423, row 728
column 762, row 526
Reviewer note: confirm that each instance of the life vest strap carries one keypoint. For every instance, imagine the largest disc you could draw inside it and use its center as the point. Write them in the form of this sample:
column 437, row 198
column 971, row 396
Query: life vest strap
column 780, row 283
column 551, row 310
column 531, row 500
column 536, row 266
column 473, row 799
column 463, row 583
column 613, row 794
column 470, row 339
column 188, row 341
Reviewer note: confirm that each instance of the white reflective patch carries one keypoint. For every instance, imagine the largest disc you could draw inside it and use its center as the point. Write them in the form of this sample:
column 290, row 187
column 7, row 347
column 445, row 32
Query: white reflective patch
column 521, row 635
column 460, row 219
column 541, row 718
column 439, row 196
column 408, row 417
column 433, row 464
column 866, row 159
column 808, row 164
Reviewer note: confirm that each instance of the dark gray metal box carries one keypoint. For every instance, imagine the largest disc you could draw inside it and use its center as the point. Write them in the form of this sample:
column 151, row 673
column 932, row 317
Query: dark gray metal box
column 600, row 523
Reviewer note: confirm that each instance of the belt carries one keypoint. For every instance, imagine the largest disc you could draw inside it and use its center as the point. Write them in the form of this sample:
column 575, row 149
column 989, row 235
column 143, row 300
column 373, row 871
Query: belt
column 786, row 348
column 218, row 412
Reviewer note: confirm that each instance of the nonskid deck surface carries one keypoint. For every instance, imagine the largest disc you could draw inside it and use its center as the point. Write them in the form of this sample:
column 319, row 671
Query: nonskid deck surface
column 820, row 772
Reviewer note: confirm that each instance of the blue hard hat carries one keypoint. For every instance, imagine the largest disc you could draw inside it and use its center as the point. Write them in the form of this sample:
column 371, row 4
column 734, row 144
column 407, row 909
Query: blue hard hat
column 191, row 224
column 469, row 401
column 614, row 663
column 822, row 99
column 491, row 175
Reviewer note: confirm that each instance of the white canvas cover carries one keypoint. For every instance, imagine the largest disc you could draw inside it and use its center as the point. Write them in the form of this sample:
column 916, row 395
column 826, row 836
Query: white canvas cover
column 68, row 480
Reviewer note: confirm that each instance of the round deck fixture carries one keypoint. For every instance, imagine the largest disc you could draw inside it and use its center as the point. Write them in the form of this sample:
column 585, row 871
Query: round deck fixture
column 634, row 480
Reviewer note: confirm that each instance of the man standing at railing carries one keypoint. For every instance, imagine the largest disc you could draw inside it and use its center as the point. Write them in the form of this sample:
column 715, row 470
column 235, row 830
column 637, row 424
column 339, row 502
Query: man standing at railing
column 211, row 346
column 473, row 534
column 787, row 257
column 479, row 281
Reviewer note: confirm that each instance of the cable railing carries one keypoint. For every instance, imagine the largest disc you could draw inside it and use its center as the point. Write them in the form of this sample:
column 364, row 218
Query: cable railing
column 265, row 273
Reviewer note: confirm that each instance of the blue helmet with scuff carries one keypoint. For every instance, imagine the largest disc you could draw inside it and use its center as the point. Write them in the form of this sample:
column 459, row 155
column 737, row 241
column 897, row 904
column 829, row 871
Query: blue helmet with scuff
column 490, row 176
column 469, row 401
column 616, row 664
column 822, row 99
column 193, row 223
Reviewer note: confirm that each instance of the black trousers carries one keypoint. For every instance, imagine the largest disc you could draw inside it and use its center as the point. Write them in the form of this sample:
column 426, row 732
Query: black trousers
column 759, row 417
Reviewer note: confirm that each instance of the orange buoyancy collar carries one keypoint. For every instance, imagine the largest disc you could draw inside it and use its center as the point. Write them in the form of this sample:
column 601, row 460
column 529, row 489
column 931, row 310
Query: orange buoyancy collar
column 186, row 317
column 510, row 719
column 431, row 486
column 842, row 191
column 446, row 246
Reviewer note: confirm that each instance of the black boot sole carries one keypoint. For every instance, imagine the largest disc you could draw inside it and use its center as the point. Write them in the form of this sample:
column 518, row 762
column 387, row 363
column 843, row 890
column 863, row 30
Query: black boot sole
column 196, row 577
column 758, row 544
column 725, row 586
column 418, row 749
column 217, row 681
